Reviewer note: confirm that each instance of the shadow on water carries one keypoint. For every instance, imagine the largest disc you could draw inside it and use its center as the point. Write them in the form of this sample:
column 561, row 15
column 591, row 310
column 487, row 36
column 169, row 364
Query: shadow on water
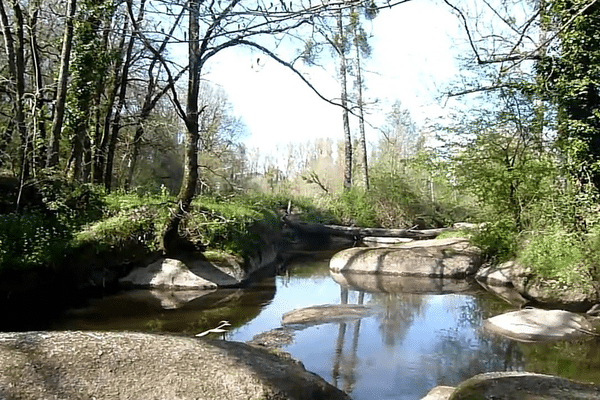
column 184, row 312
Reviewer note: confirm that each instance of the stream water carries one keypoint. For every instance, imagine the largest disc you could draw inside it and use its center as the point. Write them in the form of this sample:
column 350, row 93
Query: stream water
column 423, row 334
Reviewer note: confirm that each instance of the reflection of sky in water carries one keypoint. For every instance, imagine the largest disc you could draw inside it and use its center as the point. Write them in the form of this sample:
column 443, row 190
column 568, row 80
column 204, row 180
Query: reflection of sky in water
column 413, row 343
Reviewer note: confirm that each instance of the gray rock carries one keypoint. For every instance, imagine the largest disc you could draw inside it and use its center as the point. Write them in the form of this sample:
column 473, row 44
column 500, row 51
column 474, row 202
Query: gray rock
column 523, row 386
column 439, row 393
column 103, row 365
column 168, row 273
column 325, row 313
column 450, row 258
column 496, row 275
column 402, row 284
column 533, row 324
column 274, row 338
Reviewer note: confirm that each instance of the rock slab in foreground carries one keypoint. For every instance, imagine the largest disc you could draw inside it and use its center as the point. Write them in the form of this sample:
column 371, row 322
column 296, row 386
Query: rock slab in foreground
column 533, row 324
column 168, row 273
column 324, row 314
column 523, row 386
column 110, row 365
column 436, row 258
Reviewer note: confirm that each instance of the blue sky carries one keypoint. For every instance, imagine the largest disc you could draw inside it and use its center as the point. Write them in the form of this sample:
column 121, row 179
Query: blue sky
column 413, row 58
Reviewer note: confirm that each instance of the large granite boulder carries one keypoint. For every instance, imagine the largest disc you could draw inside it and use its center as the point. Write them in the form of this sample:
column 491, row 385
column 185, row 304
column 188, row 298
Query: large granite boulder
column 103, row 365
column 578, row 296
column 533, row 324
column 523, row 386
column 169, row 273
column 449, row 258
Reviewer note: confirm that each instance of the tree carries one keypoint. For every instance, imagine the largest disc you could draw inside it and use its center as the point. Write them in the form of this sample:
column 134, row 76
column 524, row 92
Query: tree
column 362, row 50
column 223, row 25
column 571, row 79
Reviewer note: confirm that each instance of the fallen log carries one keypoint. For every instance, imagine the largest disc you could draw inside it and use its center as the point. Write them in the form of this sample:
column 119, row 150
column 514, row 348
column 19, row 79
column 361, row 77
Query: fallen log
column 358, row 233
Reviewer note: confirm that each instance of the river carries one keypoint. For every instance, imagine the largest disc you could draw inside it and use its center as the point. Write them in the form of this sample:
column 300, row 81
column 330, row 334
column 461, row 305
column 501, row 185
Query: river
column 418, row 338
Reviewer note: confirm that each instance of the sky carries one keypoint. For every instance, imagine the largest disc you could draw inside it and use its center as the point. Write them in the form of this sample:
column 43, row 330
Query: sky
column 412, row 60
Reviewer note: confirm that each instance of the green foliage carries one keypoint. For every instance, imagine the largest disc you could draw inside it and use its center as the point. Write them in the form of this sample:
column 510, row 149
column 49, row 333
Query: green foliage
column 136, row 225
column 571, row 78
column 498, row 240
column 559, row 255
column 31, row 239
column 353, row 206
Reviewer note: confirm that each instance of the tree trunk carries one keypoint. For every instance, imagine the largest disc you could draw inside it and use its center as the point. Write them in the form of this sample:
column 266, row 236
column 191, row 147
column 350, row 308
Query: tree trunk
column 341, row 47
column 61, row 93
column 359, row 233
column 39, row 134
column 25, row 149
column 190, row 174
column 361, row 117
column 9, row 47
column 122, row 97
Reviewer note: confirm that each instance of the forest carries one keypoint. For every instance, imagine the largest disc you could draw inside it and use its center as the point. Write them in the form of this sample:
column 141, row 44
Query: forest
column 110, row 134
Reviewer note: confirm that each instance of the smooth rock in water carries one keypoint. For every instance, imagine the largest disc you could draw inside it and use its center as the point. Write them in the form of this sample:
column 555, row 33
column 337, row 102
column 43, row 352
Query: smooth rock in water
column 376, row 283
column 523, row 386
column 169, row 273
column 274, row 338
column 533, row 325
column 450, row 258
column 439, row 393
column 127, row 365
column 325, row 313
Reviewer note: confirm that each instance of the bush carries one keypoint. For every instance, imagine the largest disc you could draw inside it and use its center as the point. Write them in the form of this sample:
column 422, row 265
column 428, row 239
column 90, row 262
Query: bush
column 31, row 239
column 498, row 240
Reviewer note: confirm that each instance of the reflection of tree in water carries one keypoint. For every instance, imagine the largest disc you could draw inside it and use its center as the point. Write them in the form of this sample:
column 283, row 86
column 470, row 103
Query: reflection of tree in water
column 458, row 356
column 399, row 312
column 472, row 312
column 466, row 349
column 344, row 366
column 575, row 359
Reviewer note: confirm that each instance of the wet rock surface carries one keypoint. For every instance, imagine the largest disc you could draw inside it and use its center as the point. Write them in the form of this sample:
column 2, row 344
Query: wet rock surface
column 533, row 324
column 325, row 313
column 439, row 393
column 523, row 386
column 103, row 365
column 274, row 338
column 450, row 258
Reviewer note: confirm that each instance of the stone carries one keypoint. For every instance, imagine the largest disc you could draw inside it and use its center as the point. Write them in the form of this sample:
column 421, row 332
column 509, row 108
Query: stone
column 128, row 365
column 534, row 325
column 375, row 283
column 523, row 386
column 496, row 275
column 448, row 258
column 439, row 393
column 274, row 338
column 325, row 313
column 168, row 273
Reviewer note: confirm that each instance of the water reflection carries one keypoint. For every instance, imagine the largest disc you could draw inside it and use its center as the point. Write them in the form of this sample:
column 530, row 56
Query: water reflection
column 423, row 333
column 185, row 312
